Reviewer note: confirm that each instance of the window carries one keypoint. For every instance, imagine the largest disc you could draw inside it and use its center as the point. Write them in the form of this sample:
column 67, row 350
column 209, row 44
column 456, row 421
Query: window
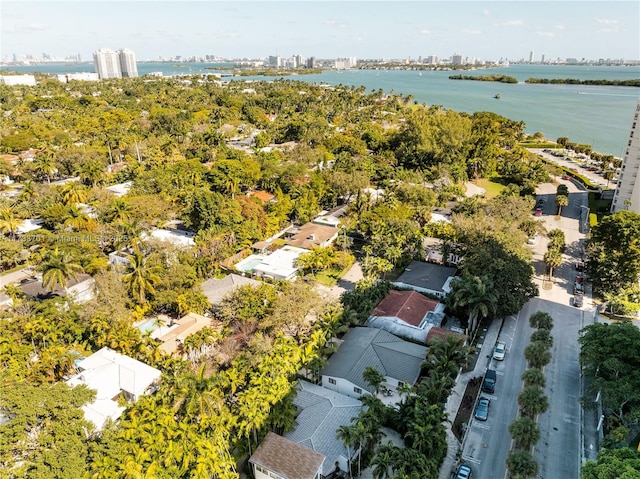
column 357, row 390
column 332, row 381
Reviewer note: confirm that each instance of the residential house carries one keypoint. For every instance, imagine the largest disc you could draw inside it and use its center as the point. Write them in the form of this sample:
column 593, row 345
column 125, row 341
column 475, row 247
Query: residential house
column 407, row 314
column 436, row 249
column 216, row 289
column 120, row 189
column 176, row 237
column 263, row 196
column 311, row 234
column 281, row 458
column 427, row 278
column 320, row 412
column 79, row 289
column 113, row 376
column 174, row 336
column 281, row 264
column 399, row 361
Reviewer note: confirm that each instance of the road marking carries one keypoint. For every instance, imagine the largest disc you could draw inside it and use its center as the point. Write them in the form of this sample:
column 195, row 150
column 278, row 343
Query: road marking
column 471, row 459
column 481, row 426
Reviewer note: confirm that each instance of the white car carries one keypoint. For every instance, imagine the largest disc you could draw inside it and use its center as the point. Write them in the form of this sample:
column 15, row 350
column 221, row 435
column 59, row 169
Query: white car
column 499, row 351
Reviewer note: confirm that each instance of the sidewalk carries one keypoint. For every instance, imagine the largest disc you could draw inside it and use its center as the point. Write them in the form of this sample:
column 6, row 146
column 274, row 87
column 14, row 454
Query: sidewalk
column 486, row 342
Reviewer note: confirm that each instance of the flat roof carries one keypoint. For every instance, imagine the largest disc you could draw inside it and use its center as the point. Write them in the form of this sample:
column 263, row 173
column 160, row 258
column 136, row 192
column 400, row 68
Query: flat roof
column 280, row 263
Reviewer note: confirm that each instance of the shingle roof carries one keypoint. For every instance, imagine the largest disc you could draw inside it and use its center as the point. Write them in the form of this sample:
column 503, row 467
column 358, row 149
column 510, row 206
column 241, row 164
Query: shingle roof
column 286, row 458
column 409, row 306
column 312, row 234
column 216, row 289
column 426, row 275
column 322, row 412
column 390, row 355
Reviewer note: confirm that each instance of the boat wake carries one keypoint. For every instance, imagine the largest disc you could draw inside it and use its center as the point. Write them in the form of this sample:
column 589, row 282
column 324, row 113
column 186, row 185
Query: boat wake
column 602, row 94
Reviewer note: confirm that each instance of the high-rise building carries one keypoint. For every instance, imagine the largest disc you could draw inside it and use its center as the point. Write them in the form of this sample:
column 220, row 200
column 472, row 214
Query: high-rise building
column 627, row 196
column 107, row 63
column 128, row 66
column 531, row 56
column 456, row 59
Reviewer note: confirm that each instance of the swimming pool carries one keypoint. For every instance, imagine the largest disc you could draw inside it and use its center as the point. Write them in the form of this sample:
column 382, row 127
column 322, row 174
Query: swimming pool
column 148, row 326
column 249, row 263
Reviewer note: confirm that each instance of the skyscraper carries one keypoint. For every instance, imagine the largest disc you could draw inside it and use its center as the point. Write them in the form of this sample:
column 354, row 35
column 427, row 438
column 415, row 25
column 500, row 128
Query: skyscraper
column 107, row 63
column 128, row 66
column 627, row 196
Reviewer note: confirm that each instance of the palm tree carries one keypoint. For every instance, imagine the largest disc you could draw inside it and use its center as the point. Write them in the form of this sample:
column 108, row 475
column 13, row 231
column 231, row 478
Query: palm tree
column 475, row 294
column 119, row 210
column 373, row 377
column 383, row 461
column 525, row 432
column 552, row 259
column 522, row 465
column 537, row 354
column 541, row 320
column 73, row 192
column 57, row 267
column 77, row 219
column 542, row 336
column 45, row 164
column 532, row 401
column 533, row 377
column 561, row 200
column 141, row 276
column 91, row 172
column 9, row 223
column 347, row 435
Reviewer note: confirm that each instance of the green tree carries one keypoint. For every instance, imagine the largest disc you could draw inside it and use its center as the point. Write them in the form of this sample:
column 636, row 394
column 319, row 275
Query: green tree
column 57, row 268
column 373, row 377
column 552, row 258
column 609, row 356
column 537, row 355
column 561, row 201
column 525, row 432
column 614, row 253
column 141, row 277
column 541, row 320
column 619, row 463
column 522, row 465
column 9, row 222
column 475, row 295
column 532, row 401
column 533, row 377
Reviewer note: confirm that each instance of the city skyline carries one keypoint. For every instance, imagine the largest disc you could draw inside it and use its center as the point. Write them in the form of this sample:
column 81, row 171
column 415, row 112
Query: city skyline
column 325, row 29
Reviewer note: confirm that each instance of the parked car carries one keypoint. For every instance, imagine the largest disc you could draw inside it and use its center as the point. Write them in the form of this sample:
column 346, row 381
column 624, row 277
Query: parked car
column 538, row 212
column 463, row 472
column 489, row 383
column 532, row 240
column 578, row 285
column 578, row 300
column 499, row 351
column 579, row 265
column 566, row 177
column 482, row 409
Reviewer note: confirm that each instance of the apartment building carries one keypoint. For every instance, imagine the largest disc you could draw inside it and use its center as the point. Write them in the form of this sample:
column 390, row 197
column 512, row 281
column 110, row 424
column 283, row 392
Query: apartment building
column 627, row 196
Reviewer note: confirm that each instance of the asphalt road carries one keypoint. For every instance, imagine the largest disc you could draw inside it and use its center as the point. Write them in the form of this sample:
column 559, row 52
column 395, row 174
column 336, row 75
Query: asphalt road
column 560, row 448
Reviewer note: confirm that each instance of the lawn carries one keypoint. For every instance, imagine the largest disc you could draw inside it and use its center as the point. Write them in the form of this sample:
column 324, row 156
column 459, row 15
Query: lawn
column 492, row 186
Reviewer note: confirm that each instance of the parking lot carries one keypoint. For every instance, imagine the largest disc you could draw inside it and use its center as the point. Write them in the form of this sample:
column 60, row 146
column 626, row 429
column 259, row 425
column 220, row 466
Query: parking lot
column 580, row 164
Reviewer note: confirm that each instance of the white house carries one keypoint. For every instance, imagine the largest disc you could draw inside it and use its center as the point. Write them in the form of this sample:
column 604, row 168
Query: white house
column 397, row 360
column 281, row 264
column 427, row 278
column 113, row 376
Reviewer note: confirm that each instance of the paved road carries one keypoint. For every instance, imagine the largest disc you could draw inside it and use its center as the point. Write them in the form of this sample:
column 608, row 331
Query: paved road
column 561, row 446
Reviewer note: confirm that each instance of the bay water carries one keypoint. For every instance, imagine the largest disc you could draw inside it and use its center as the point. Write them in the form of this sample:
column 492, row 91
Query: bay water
column 600, row 116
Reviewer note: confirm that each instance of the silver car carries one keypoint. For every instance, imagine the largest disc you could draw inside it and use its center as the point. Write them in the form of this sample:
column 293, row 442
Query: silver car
column 499, row 351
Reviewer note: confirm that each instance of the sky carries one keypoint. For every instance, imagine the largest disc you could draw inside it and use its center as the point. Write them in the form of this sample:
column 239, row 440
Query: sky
column 486, row 30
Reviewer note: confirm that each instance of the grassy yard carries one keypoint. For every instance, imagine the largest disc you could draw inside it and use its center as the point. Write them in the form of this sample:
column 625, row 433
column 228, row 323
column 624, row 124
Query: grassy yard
column 492, row 186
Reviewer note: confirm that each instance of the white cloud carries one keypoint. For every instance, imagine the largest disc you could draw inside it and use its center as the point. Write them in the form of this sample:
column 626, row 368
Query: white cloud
column 546, row 34
column 472, row 32
column 425, row 31
column 560, row 27
column 36, row 27
column 606, row 21
column 486, row 13
column 510, row 23
column 335, row 23
column 614, row 29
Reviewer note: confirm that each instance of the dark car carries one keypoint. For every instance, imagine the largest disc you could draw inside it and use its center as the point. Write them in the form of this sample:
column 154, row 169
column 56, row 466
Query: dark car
column 482, row 409
column 489, row 382
column 577, row 300
column 463, row 472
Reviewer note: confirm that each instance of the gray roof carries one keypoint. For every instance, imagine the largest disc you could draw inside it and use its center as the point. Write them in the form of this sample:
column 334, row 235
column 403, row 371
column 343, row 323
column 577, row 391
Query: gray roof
column 322, row 412
column 390, row 355
column 216, row 289
column 286, row 458
column 426, row 275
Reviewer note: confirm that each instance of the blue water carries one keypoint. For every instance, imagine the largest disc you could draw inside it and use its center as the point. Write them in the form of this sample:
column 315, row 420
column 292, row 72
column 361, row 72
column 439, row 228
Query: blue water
column 600, row 116
column 250, row 264
column 148, row 326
